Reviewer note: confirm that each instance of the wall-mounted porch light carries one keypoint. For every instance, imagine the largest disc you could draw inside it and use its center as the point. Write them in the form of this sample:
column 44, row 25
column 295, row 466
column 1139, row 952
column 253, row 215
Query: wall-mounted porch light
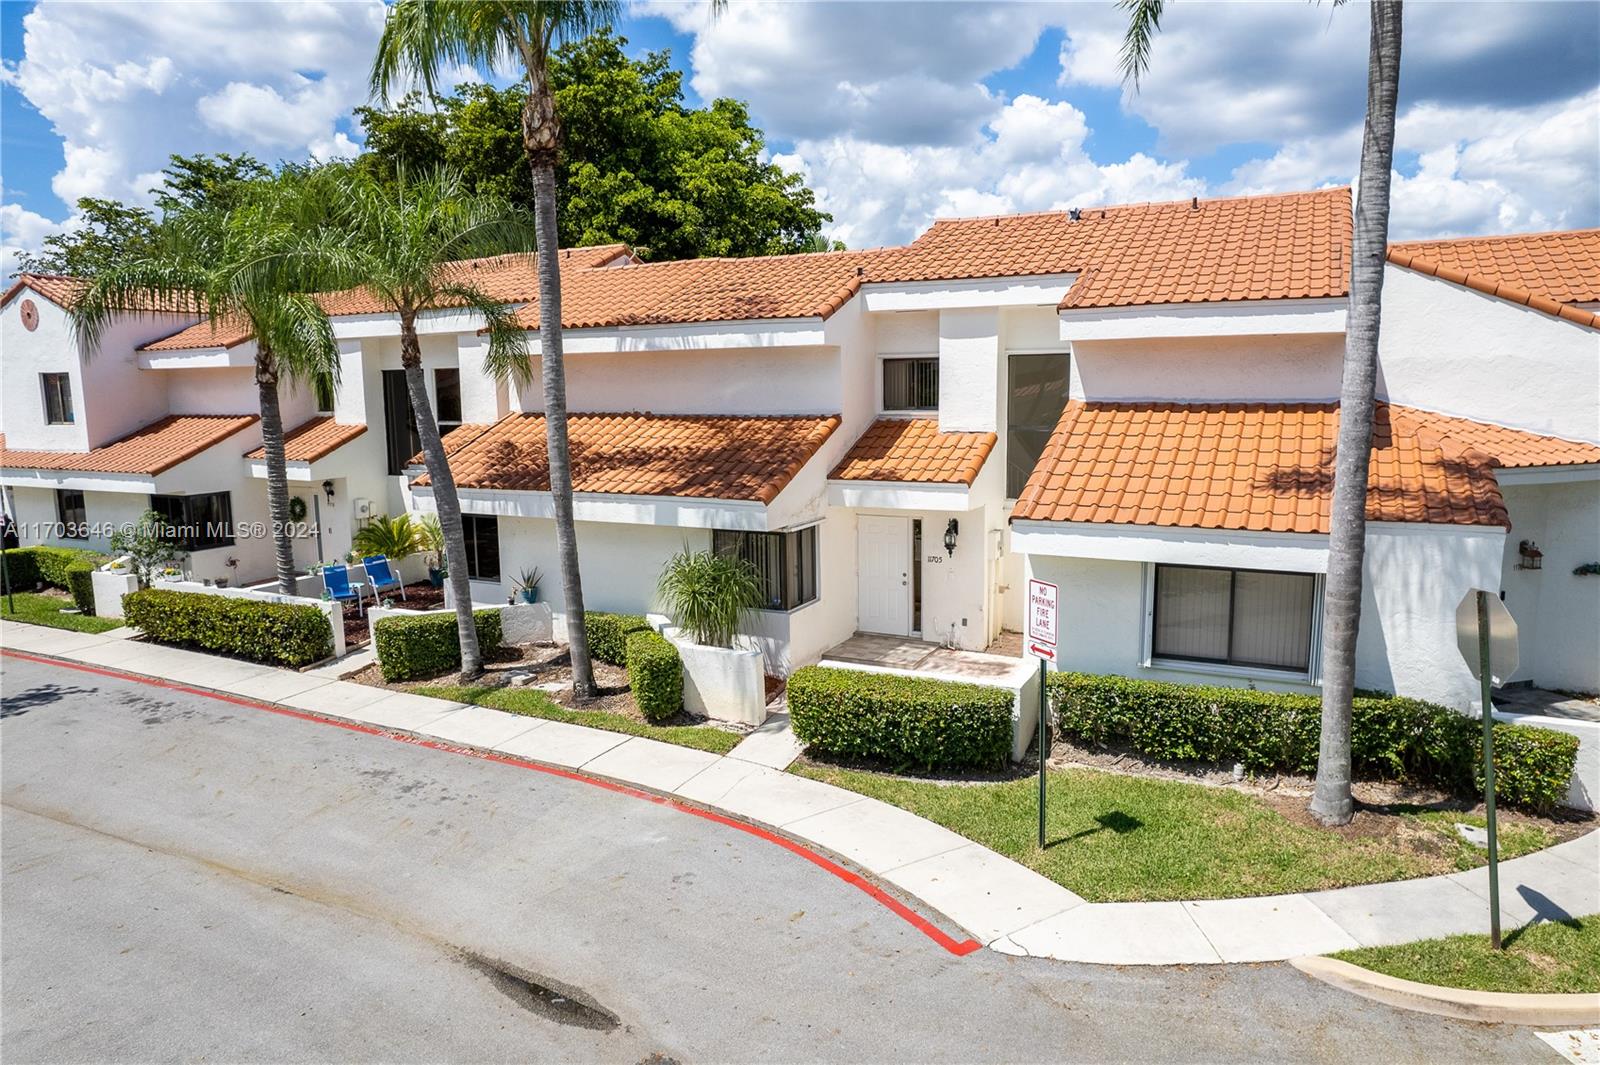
column 327, row 490
column 950, row 531
column 1530, row 557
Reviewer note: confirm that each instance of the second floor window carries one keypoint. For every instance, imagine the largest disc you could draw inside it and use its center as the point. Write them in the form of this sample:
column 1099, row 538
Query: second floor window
column 399, row 425
column 57, row 398
column 911, row 384
column 786, row 562
column 1035, row 396
column 196, row 522
column 322, row 388
column 72, row 514
column 447, row 398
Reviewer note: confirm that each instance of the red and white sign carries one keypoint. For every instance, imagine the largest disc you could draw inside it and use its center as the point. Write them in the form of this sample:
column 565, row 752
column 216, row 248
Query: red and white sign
column 1042, row 619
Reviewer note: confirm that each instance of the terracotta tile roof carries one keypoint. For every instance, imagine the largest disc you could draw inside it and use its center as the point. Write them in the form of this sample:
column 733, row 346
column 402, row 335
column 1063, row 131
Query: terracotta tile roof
column 689, row 455
column 154, row 449
column 913, row 449
column 1497, row 444
column 225, row 333
column 1263, row 466
column 1546, row 271
column 60, row 289
column 455, row 440
column 314, row 439
column 1187, row 251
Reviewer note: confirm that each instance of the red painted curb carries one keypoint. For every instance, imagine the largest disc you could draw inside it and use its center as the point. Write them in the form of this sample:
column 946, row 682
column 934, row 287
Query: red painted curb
column 960, row 948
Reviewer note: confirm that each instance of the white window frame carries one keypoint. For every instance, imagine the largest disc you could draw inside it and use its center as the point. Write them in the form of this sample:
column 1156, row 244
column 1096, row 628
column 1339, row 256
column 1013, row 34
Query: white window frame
column 1312, row 674
column 877, row 385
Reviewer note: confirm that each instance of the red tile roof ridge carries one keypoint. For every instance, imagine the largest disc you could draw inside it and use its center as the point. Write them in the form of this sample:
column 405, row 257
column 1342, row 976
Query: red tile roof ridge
column 1140, row 205
column 1490, row 287
column 1490, row 238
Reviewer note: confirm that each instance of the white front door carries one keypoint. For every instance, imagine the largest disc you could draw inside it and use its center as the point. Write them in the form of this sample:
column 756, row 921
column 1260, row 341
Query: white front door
column 883, row 563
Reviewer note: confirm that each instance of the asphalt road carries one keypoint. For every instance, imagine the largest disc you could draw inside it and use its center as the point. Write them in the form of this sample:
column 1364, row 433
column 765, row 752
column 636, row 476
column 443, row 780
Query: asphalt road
column 190, row 879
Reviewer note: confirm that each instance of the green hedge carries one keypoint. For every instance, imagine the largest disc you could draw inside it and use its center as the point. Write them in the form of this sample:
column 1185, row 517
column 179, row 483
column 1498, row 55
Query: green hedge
column 1391, row 737
column 428, row 645
column 290, row 634
column 28, row 566
column 80, row 582
column 655, row 673
column 608, row 635
column 905, row 721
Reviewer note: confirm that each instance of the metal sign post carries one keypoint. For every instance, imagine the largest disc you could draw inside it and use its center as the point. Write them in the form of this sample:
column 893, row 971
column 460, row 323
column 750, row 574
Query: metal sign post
column 1042, row 629
column 1486, row 635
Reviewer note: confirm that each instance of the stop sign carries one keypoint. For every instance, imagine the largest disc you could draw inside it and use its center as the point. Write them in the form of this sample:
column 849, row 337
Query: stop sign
column 1502, row 635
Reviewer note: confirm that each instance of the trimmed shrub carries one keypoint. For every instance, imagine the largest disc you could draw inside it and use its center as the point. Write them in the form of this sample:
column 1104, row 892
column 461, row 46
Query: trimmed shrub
column 80, row 582
column 905, row 721
column 608, row 635
column 655, row 674
column 428, row 645
column 1531, row 765
column 28, row 566
column 1391, row 737
column 290, row 634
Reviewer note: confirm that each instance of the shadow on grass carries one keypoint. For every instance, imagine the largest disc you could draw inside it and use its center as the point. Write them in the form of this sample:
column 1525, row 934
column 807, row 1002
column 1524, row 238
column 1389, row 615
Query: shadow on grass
column 1115, row 821
column 1545, row 911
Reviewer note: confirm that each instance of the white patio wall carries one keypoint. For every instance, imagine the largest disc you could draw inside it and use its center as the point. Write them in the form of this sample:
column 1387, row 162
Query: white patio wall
column 1557, row 612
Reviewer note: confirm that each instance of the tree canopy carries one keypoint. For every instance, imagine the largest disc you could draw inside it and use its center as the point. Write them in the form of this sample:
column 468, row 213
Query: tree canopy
column 638, row 165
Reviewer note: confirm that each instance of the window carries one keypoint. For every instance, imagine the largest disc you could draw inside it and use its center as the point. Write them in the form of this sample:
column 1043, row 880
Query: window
column 196, row 522
column 786, row 561
column 1234, row 617
column 447, row 398
column 482, row 534
column 72, row 514
column 322, row 388
column 1035, row 396
column 57, row 398
column 911, row 384
column 400, row 425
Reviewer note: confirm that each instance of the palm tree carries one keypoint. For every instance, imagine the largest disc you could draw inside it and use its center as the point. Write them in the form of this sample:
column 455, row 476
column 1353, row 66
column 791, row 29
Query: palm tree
column 420, row 39
column 1332, row 802
column 210, row 260
column 397, row 239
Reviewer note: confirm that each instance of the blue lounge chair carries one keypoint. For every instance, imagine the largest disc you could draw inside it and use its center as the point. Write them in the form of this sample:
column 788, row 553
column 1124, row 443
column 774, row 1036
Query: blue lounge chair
column 381, row 576
column 336, row 579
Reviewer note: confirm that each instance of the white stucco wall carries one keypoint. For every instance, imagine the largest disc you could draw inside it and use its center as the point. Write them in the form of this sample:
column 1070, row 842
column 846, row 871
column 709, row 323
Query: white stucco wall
column 742, row 381
column 969, row 371
column 1414, row 578
column 1448, row 348
column 1557, row 612
column 1201, row 369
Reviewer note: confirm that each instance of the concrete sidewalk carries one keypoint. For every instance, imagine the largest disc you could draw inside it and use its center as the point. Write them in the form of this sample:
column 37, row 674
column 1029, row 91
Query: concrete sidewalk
column 1007, row 906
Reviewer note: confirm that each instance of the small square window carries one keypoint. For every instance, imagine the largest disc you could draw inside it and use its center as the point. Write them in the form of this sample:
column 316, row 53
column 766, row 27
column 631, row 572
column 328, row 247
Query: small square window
column 57, row 398
column 911, row 384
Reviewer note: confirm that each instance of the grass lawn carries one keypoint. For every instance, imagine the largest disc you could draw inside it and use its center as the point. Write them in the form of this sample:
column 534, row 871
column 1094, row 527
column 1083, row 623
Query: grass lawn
column 1115, row 838
column 1556, row 958
column 48, row 610
column 536, row 703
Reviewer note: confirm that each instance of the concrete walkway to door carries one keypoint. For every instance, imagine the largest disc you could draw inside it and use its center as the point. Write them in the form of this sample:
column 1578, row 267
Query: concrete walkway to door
column 899, row 653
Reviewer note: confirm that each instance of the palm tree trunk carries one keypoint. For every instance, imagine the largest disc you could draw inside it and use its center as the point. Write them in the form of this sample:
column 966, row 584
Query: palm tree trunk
column 444, row 499
column 541, row 135
column 277, row 468
column 1332, row 803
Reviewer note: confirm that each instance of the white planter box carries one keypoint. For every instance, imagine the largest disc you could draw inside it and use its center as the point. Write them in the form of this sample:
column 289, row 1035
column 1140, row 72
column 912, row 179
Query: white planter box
column 525, row 623
column 725, row 683
column 109, row 588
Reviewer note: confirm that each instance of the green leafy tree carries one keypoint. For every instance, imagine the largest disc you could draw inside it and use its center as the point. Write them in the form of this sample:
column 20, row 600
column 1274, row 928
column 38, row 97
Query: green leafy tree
column 148, row 545
column 240, row 266
column 393, row 238
column 637, row 165
column 1332, row 802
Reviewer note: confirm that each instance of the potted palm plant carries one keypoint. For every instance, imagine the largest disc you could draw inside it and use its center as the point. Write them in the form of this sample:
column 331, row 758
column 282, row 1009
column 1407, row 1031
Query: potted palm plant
column 708, row 596
column 528, row 584
column 433, row 547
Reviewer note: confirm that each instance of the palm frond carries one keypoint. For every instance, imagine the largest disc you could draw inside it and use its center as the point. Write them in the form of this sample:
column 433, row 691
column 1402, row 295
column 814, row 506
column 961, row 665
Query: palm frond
column 1144, row 21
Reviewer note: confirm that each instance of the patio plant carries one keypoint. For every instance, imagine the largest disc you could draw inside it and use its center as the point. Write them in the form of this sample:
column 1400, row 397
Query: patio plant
column 148, row 550
column 423, row 39
column 236, row 267
column 528, row 584
column 397, row 538
column 433, row 545
column 708, row 594
column 396, row 239
column 1332, row 803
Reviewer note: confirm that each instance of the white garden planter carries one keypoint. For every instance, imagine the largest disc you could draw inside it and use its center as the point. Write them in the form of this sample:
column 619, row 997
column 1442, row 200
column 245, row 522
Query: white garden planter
column 725, row 683
column 109, row 588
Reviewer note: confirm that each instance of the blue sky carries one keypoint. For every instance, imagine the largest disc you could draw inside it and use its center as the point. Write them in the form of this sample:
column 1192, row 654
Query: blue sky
column 896, row 113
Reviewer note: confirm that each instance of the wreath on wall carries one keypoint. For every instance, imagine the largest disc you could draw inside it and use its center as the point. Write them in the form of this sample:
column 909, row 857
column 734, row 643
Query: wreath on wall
column 297, row 509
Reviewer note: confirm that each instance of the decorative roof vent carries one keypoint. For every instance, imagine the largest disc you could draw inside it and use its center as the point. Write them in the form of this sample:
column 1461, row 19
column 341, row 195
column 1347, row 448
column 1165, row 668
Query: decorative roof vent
column 1075, row 214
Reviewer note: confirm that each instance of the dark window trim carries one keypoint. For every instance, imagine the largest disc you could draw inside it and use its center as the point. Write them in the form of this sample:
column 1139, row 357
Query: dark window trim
column 57, row 387
column 446, row 424
column 883, row 383
column 72, row 527
column 322, row 389
column 733, row 540
column 1155, row 620
column 398, row 418
column 194, row 530
column 472, row 533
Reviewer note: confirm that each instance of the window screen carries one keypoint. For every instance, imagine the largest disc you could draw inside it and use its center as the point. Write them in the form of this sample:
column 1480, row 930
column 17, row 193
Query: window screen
column 785, row 561
column 1234, row 617
column 1036, row 393
column 57, row 398
column 910, row 384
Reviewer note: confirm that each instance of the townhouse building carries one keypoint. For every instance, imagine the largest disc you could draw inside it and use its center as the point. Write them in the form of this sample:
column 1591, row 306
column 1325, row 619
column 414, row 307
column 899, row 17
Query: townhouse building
column 1138, row 403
